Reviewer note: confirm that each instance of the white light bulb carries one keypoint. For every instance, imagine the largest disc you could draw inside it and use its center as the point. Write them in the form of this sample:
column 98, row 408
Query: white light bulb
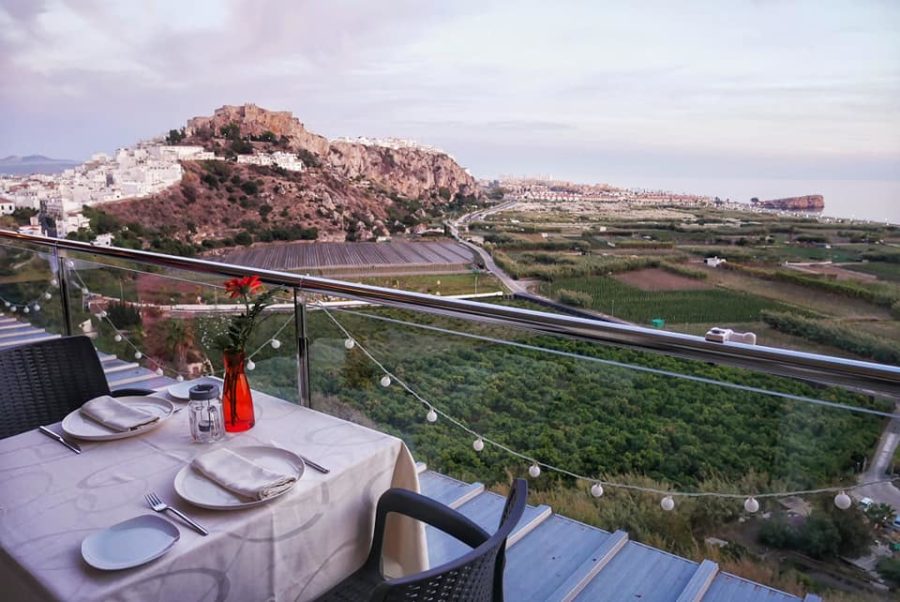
column 667, row 503
column 54, row 282
column 7, row 303
column 138, row 355
column 159, row 372
column 842, row 500
column 85, row 290
column 385, row 381
column 13, row 308
column 478, row 444
column 117, row 338
column 431, row 416
column 597, row 490
column 48, row 296
column 179, row 378
column 36, row 307
column 534, row 470
column 103, row 313
column 349, row 343
column 251, row 365
column 25, row 310
column 751, row 505
column 275, row 343
column 70, row 264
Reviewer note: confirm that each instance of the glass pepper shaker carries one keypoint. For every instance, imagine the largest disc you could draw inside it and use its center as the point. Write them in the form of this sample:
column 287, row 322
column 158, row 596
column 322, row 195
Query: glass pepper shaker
column 205, row 412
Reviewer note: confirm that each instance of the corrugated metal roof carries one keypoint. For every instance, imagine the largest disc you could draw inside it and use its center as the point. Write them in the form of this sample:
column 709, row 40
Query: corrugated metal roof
column 551, row 557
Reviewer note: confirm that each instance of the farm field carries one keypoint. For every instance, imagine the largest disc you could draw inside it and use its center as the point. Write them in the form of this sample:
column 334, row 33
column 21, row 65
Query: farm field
column 889, row 272
column 445, row 284
column 326, row 256
column 711, row 306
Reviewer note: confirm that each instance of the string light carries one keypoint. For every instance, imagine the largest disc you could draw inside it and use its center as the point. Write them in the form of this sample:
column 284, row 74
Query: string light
column 159, row 372
column 48, row 296
column 138, row 355
column 117, row 338
column 667, row 503
column 36, row 307
column 431, row 416
column 842, row 500
column 251, row 365
column 275, row 343
column 179, row 378
column 349, row 343
column 386, row 382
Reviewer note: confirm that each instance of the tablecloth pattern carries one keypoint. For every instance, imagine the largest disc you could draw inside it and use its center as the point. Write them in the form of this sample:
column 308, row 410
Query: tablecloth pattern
column 293, row 548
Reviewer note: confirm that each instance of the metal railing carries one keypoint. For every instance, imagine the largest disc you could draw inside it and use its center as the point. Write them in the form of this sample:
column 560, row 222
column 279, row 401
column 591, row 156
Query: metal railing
column 867, row 376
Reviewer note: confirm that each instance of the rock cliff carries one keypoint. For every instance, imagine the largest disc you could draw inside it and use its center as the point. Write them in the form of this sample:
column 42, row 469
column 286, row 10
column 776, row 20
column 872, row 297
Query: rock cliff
column 347, row 190
column 411, row 172
column 810, row 202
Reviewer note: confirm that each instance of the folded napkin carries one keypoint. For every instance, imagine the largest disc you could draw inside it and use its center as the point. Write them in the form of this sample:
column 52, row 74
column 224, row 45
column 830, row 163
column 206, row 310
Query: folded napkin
column 241, row 475
column 118, row 416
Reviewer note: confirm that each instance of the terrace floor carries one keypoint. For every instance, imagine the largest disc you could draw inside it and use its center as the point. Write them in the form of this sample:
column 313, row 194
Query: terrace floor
column 549, row 556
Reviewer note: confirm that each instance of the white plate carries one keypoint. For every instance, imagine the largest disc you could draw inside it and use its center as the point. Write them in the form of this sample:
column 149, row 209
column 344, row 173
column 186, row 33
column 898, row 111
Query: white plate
column 180, row 391
column 201, row 491
column 130, row 543
column 82, row 427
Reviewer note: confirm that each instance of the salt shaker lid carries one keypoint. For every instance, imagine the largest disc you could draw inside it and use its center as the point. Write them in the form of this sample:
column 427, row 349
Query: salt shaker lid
column 204, row 391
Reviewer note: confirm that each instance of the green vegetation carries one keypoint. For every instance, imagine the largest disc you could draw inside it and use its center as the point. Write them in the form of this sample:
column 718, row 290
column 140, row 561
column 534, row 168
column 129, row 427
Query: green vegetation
column 605, row 420
column 889, row 569
column 708, row 306
column 575, row 298
column 842, row 337
column 824, row 534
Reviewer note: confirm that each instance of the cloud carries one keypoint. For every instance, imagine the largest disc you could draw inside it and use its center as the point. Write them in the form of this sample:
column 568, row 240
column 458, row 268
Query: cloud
column 552, row 84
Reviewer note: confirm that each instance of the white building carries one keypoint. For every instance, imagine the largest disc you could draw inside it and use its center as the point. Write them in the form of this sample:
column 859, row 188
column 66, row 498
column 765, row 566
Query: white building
column 280, row 159
column 714, row 262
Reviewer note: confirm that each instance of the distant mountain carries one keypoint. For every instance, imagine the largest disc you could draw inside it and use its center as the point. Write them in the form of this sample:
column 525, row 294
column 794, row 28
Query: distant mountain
column 16, row 165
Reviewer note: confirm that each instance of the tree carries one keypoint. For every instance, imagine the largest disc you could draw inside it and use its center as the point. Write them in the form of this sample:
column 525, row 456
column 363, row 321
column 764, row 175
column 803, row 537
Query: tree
column 175, row 136
column 880, row 514
column 243, row 238
column 889, row 569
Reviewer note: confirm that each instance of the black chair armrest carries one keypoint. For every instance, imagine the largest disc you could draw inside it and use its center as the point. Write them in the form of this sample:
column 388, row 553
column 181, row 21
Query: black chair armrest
column 425, row 509
column 127, row 391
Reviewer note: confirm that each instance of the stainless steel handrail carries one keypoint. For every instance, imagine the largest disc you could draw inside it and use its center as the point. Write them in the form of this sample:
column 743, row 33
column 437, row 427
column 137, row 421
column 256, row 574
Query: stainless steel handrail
column 808, row 366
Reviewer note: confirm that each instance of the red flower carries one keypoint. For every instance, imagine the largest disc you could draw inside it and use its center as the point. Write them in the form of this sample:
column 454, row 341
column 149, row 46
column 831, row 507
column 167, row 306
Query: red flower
column 243, row 287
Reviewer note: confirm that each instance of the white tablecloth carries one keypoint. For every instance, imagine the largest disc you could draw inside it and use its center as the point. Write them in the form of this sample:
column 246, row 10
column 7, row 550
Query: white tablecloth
column 293, row 548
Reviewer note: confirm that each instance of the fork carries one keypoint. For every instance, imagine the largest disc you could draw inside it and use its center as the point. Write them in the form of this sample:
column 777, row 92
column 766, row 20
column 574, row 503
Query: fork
column 160, row 506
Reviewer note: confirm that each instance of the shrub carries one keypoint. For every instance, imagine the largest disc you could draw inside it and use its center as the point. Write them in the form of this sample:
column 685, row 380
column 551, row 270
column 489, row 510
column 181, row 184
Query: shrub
column 889, row 569
column 250, row 187
column 243, row 238
column 820, row 331
column 123, row 315
column 575, row 298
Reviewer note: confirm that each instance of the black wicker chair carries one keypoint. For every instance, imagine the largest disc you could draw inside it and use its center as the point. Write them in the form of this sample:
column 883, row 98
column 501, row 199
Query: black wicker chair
column 42, row 382
column 476, row 576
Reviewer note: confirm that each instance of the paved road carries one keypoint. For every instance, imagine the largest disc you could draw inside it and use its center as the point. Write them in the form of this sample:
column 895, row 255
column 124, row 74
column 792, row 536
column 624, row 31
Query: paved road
column 883, row 493
column 489, row 264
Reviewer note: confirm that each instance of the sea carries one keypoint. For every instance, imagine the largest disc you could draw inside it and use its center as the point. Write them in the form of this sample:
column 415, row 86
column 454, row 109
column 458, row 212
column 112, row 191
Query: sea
column 871, row 200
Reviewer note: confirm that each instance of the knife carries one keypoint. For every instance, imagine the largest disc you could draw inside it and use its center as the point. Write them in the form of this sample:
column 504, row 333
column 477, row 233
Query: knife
column 313, row 465
column 73, row 446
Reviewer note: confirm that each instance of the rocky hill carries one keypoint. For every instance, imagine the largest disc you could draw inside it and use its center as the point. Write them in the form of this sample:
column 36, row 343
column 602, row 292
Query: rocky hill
column 810, row 202
column 346, row 191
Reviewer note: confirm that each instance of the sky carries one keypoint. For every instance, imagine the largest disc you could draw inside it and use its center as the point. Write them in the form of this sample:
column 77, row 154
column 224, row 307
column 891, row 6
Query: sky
column 588, row 91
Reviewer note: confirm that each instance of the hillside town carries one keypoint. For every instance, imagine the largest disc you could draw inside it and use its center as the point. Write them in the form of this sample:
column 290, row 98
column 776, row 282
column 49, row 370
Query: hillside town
column 131, row 173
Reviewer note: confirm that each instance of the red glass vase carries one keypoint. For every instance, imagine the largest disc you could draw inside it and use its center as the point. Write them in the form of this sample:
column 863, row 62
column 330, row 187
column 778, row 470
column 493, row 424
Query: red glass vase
column 237, row 401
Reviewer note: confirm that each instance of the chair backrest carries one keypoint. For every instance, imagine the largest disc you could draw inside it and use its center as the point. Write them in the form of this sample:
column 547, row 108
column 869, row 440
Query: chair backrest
column 42, row 382
column 476, row 576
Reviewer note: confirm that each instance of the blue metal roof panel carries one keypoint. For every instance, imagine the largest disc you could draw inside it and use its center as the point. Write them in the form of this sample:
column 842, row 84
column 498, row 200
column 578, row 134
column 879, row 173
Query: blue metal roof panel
column 548, row 556
column 731, row 588
column 639, row 572
column 442, row 488
column 485, row 511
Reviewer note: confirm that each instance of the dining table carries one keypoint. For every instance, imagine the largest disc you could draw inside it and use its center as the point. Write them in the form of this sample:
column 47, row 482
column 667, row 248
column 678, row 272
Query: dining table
column 294, row 547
